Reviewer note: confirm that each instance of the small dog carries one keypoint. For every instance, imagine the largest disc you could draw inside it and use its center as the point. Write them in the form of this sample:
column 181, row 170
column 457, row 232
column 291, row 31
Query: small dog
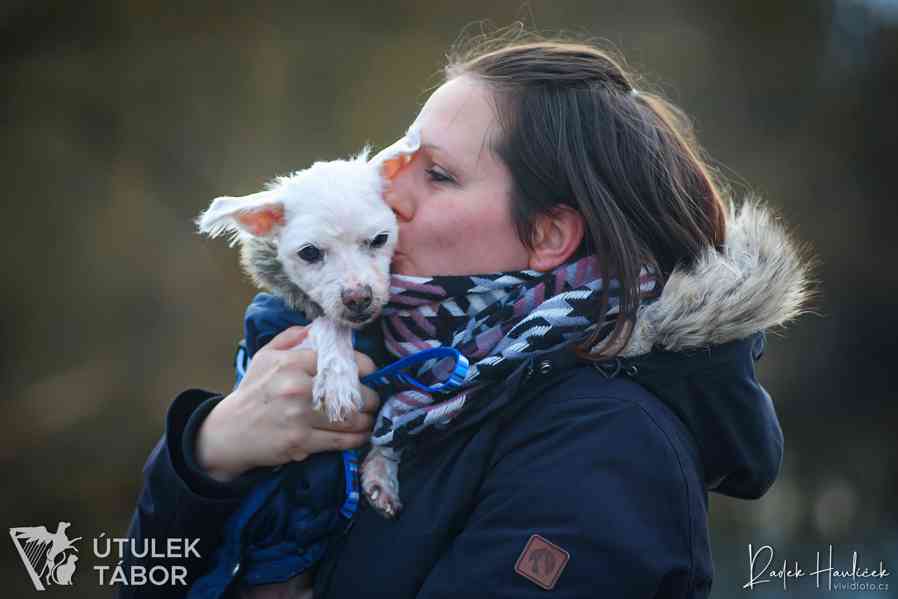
column 322, row 240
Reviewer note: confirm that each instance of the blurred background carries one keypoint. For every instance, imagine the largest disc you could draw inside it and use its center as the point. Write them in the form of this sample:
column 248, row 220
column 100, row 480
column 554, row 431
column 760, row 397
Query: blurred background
column 122, row 120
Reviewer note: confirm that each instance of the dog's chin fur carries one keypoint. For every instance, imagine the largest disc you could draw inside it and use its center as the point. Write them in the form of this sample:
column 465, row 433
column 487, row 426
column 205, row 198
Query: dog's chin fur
column 357, row 324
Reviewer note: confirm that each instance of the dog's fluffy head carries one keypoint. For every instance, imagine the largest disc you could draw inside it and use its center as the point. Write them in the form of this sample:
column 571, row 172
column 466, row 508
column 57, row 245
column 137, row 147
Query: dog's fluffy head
column 321, row 238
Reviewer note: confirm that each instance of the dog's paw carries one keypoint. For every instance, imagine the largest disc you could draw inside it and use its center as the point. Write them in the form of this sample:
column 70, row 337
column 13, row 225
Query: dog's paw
column 319, row 393
column 337, row 396
column 345, row 400
column 380, row 483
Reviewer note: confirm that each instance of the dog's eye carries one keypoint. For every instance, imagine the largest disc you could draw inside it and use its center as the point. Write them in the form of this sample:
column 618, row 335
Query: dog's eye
column 379, row 241
column 309, row 253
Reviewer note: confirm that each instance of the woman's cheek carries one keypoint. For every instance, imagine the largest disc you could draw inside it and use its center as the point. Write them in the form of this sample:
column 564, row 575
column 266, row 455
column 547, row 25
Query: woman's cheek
column 445, row 239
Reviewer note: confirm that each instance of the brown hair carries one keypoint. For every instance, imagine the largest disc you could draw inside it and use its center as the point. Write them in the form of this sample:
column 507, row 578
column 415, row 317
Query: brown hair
column 573, row 133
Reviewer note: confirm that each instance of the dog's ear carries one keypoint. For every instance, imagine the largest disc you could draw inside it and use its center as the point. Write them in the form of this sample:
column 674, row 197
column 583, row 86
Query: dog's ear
column 390, row 160
column 259, row 214
column 391, row 166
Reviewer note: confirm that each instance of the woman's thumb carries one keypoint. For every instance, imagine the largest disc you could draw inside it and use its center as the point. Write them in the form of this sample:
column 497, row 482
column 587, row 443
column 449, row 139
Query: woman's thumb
column 289, row 338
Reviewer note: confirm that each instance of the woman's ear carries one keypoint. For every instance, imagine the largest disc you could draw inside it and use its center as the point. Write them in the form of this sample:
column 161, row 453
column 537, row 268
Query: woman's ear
column 556, row 237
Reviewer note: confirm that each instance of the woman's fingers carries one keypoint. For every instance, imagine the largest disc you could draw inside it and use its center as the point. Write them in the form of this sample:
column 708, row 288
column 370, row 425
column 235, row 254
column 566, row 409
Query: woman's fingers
column 301, row 362
column 356, row 422
column 365, row 363
column 371, row 400
column 322, row 440
column 369, row 396
column 288, row 338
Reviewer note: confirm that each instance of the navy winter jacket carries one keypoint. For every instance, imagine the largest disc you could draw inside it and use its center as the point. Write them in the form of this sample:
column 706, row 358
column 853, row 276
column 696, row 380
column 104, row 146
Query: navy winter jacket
column 586, row 481
column 591, row 481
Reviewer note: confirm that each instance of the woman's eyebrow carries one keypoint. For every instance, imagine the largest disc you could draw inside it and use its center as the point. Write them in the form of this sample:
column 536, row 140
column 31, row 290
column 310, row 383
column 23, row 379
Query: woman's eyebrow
column 432, row 147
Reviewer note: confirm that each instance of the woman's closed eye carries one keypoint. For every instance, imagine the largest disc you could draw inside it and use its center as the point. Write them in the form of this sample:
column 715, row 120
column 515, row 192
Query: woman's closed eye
column 438, row 176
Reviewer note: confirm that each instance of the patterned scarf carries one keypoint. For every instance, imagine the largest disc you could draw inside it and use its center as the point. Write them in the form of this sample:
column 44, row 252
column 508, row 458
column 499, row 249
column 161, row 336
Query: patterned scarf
column 496, row 321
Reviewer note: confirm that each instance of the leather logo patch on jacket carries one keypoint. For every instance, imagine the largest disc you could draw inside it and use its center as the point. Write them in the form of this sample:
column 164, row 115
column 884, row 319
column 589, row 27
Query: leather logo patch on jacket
column 542, row 562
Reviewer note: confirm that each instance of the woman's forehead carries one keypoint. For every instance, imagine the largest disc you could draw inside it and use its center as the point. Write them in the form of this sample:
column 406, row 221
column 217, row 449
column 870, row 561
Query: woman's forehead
column 456, row 120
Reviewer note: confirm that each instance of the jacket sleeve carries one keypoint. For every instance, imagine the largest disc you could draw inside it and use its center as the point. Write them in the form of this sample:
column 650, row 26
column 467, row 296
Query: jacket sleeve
column 178, row 501
column 596, row 479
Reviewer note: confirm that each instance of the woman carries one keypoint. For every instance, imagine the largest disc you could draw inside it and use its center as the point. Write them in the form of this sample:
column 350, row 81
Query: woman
column 583, row 466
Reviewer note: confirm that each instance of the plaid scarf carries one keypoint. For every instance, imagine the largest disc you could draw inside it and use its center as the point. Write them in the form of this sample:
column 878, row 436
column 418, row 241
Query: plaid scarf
column 496, row 321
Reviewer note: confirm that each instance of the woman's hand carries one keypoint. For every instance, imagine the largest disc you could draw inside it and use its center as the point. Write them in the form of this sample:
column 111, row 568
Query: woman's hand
column 268, row 420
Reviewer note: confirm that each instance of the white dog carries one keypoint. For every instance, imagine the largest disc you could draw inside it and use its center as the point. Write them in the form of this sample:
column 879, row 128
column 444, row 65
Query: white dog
column 321, row 239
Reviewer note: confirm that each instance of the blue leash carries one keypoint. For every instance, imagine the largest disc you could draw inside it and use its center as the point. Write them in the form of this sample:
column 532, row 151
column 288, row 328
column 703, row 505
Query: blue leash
column 392, row 374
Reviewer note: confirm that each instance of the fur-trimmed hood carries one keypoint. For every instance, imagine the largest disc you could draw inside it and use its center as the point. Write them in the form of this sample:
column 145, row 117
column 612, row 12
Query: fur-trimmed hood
column 695, row 347
column 759, row 281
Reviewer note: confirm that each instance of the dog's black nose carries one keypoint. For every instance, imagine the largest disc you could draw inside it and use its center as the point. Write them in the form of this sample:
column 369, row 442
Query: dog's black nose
column 358, row 299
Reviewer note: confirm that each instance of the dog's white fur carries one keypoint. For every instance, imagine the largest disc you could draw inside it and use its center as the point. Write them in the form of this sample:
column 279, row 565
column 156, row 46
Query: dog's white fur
column 338, row 208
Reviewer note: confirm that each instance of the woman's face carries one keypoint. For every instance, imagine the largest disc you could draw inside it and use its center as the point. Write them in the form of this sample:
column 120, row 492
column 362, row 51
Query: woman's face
column 452, row 200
